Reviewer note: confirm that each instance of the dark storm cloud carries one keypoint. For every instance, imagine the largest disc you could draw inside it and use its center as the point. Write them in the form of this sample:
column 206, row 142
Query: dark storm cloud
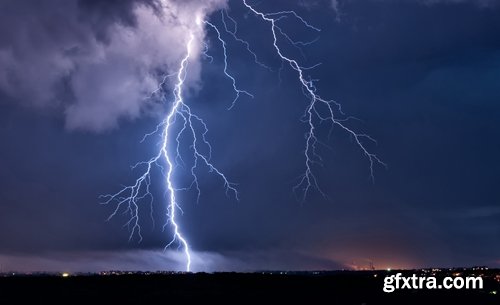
column 339, row 5
column 44, row 45
column 96, row 62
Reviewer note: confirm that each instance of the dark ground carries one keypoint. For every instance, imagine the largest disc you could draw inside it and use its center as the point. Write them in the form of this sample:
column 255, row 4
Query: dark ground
column 230, row 288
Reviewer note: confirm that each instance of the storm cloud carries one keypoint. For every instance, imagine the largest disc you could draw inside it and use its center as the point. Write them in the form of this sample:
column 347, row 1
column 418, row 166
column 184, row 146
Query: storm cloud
column 96, row 62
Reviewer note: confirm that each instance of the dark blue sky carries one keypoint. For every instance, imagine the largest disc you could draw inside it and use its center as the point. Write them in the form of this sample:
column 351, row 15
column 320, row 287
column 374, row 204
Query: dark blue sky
column 424, row 80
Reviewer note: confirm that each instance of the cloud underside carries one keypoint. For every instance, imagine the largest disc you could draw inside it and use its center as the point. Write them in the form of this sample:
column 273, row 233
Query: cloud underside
column 95, row 67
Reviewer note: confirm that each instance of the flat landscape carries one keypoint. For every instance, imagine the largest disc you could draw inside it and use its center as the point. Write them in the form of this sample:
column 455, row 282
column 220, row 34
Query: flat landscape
column 340, row 287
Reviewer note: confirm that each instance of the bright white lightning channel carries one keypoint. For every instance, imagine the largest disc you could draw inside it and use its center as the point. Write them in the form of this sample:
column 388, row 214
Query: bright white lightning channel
column 317, row 107
column 318, row 110
column 130, row 196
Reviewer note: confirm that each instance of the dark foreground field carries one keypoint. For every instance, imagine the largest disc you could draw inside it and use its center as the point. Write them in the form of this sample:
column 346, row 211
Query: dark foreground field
column 229, row 288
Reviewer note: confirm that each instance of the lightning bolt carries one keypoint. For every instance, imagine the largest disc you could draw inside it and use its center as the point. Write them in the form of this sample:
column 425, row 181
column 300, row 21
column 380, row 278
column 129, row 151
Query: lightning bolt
column 129, row 197
column 168, row 159
column 228, row 75
column 234, row 34
column 316, row 109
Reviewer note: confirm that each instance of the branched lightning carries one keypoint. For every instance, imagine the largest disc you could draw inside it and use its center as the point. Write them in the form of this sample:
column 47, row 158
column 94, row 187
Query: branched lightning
column 190, row 125
column 316, row 109
column 228, row 75
column 129, row 197
column 234, row 34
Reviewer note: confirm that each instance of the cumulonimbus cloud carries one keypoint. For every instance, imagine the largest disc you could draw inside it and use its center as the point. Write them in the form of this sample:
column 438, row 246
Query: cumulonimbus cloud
column 95, row 63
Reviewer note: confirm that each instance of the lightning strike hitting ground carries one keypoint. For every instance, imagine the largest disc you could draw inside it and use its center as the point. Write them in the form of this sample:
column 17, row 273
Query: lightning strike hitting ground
column 318, row 110
column 131, row 195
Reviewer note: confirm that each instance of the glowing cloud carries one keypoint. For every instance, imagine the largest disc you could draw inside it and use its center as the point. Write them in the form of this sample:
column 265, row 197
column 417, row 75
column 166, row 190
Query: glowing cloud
column 97, row 77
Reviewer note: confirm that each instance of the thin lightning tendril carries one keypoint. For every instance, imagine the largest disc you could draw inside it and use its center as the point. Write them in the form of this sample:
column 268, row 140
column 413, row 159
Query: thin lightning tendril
column 233, row 80
column 234, row 34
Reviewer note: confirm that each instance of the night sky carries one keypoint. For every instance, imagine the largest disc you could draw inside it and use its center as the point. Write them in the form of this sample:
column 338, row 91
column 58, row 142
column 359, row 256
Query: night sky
column 423, row 77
